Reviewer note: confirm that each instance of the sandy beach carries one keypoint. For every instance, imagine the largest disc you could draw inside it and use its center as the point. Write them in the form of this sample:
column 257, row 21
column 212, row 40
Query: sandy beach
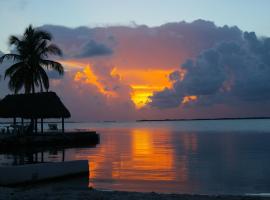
column 84, row 194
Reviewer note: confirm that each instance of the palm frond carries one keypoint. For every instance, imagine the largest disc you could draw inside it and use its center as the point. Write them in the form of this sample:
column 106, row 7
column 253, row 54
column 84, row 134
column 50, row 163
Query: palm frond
column 17, row 80
column 28, row 33
column 43, row 35
column 49, row 64
column 44, row 78
column 10, row 56
column 13, row 40
column 13, row 68
column 40, row 48
column 52, row 49
column 15, row 85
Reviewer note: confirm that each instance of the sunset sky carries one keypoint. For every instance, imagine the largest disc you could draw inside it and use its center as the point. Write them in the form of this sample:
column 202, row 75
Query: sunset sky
column 155, row 59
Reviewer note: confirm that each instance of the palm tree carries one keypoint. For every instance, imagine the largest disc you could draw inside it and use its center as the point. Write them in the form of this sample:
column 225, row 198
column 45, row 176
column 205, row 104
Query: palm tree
column 30, row 61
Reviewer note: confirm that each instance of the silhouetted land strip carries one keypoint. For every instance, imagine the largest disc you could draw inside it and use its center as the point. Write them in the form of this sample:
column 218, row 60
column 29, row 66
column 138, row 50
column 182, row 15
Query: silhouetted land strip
column 9, row 143
column 200, row 119
column 72, row 193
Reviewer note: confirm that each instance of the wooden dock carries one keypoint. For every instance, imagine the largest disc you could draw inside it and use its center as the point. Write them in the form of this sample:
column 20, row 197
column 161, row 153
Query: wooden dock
column 48, row 140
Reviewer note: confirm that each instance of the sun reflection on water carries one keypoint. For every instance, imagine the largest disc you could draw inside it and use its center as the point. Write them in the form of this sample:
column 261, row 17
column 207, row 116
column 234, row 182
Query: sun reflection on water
column 147, row 160
column 139, row 155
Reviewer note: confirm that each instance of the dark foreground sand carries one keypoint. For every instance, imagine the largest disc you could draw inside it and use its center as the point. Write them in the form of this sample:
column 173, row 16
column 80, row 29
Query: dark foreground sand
column 85, row 194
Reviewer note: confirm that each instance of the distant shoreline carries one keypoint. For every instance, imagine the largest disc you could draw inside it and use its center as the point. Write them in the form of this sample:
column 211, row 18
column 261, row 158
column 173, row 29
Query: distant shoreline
column 151, row 120
column 201, row 119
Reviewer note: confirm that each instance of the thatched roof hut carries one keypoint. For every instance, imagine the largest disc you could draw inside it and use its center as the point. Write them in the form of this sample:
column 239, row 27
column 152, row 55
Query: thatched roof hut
column 39, row 105
column 33, row 106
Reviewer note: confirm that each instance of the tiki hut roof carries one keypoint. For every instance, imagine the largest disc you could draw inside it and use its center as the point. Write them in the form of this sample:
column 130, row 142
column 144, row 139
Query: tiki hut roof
column 39, row 105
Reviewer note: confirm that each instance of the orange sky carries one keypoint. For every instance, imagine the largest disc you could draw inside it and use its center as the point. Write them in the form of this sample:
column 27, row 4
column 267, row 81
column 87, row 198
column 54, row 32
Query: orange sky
column 143, row 82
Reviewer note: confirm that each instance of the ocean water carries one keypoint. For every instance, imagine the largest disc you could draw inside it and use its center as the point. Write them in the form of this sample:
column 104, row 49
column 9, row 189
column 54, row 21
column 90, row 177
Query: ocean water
column 198, row 157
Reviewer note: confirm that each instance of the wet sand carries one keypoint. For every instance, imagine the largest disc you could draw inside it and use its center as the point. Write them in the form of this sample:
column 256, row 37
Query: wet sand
column 91, row 194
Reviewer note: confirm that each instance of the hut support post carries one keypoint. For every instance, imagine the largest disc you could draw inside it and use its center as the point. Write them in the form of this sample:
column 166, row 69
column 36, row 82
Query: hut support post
column 22, row 128
column 15, row 128
column 63, row 155
column 63, row 124
column 41, row 123
column 35, row 122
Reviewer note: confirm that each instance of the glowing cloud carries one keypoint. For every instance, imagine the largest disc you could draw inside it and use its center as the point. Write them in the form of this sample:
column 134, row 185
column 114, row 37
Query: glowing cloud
column 88, row 77
column 188, row 99
column 143, row 83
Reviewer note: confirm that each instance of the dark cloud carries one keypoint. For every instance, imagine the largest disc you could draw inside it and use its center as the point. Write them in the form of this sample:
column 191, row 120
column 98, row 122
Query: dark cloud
column 204, row 76
column 229, row 73
column 81, row 42
column 175, row 76
column 93, row 48
column 166, row 99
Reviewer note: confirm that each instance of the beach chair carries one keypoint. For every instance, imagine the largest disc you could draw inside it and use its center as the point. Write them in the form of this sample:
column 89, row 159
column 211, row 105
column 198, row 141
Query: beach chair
column 17, row 129
column 53, row 127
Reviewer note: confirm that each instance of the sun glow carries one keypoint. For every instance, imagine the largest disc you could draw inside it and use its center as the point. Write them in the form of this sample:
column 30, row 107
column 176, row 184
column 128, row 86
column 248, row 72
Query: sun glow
column 141, row 93
column 143, row 82
column 72, row 64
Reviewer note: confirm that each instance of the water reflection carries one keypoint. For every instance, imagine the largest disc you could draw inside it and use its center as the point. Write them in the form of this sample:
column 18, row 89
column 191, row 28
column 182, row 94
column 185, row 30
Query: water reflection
column 32, row 157
column 128, row 157
column 189, row 141
column 167, row 159
column 149, row 159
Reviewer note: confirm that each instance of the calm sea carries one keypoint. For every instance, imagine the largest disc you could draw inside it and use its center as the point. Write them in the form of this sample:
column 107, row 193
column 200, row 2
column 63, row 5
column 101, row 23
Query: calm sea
column 205, row 157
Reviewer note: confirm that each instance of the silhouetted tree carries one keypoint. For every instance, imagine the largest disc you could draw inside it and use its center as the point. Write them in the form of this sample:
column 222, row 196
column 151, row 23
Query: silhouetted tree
column 30, row 60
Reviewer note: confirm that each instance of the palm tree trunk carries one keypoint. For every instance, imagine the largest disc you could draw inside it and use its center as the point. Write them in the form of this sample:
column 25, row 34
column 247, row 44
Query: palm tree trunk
column 33, row 88
column 41, row 87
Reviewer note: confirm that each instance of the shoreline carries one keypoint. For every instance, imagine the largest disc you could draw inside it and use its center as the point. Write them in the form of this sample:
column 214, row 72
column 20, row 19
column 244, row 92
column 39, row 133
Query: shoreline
column 202, row 119
column 93, row 194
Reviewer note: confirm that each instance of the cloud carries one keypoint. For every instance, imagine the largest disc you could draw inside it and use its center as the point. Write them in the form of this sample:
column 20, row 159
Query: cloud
column 223, row 71
column 93, row 48
column 166, row 99
column 95, row 94
column 161, row 47
column 232, row 72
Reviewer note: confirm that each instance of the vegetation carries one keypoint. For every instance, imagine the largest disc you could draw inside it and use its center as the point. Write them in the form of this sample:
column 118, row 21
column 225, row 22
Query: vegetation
column 31, row 61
